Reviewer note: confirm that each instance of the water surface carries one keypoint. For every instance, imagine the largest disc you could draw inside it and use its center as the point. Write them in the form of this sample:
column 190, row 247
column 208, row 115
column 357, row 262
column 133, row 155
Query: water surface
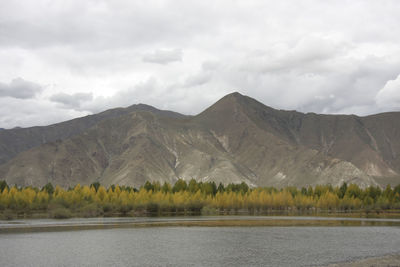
column 131, row 221
column 197, row 246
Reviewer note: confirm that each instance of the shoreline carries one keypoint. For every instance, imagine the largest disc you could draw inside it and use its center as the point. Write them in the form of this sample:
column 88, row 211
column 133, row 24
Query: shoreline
column 54, row 225
column 9, row 215
column 391, row 260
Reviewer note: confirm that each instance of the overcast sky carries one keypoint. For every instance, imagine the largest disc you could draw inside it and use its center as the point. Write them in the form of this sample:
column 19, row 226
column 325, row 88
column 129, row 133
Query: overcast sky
column 64, row 59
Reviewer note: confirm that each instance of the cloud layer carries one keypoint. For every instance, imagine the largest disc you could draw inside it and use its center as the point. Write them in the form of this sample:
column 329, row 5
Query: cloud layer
column 20, row 88
column 163, row 56
column 71, row 100
column 63, row 59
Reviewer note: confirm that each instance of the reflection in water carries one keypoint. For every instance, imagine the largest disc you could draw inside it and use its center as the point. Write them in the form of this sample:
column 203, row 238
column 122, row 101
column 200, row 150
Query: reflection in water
column 26, row 223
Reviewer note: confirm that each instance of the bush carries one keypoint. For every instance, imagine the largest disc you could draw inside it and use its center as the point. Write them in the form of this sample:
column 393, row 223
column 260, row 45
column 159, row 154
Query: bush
column 206, row 210
column 108, row 207
column 61, row 213
column 153, row 207
column 8, row 215
column 124, row 209
column 91, row 210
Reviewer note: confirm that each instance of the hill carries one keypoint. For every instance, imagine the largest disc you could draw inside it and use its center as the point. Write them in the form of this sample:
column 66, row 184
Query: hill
column 236, row 139
column 16, row 140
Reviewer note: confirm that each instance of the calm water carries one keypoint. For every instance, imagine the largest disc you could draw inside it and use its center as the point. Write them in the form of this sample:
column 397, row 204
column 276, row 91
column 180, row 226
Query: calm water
column 197, row 246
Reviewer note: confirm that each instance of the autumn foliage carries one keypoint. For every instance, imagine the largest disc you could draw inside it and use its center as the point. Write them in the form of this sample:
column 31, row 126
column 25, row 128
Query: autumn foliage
column 190, row 198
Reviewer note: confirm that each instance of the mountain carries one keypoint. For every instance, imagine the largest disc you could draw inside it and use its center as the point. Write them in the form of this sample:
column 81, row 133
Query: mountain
column 236, row 139
column 16, row 140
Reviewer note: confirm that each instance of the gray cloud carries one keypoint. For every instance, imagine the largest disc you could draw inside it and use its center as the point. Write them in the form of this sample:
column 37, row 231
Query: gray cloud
column 163, row 56
column 98, row 24
column 32, row 112
column 71, row 100
column 155, row 93
column 198, row 79
column 313, row 56
column 142, row 92
column 20, row 88
column 332, row 85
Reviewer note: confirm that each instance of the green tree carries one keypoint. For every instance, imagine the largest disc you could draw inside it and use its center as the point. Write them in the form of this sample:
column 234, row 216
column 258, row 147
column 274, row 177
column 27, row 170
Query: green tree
column 148, row 186
column 354, row 191
column 209, row 188
column 166, row 188
column 193, row 187
column 3, row 184
column 292, row 190
column 179, row 186
column 303, row 191
column 342, row 190
column 374, row 192
column 95, row 185
column 244, row 188
column 388, row 193
column 49, row 188
column 310, row 191
column 396, row 189
column 156, row 186
column 221, row 188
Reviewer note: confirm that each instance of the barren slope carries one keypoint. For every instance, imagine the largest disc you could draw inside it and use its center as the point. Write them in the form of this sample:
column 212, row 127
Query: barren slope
column 237, row 139
column 14, row 141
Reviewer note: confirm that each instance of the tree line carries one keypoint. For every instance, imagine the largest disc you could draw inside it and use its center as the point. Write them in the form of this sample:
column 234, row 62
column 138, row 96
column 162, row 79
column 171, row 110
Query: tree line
column 189, row 198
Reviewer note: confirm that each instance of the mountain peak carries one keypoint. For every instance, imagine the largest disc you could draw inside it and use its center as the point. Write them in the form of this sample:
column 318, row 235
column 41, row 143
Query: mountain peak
column 224, row 105
column 235, row 96
column 234, row 102
column 145, row 107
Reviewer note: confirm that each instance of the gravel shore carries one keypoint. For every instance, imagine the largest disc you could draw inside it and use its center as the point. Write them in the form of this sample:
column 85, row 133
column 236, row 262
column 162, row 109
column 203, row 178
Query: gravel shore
column 385, row 261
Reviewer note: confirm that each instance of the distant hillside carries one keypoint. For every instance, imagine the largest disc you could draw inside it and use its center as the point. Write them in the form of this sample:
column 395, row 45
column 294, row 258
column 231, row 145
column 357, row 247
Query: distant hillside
column 236, row 139
column 16, row 140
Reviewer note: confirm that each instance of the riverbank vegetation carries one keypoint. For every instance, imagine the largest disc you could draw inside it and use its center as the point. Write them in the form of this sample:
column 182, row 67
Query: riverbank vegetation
column 191, row 198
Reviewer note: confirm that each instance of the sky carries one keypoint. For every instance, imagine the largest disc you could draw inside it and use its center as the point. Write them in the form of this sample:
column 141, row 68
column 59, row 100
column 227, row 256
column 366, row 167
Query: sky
column 65, row 59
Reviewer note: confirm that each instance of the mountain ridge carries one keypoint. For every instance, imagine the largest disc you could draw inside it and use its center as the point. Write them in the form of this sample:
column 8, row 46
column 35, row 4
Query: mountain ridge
column 236, row 139
column 16, row 140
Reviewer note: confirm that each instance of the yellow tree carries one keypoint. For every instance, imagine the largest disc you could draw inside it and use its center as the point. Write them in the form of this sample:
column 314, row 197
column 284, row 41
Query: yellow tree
column 5, row 198
column 88, row 194
column 42, row 199
column 328, row 201
column 101, row 195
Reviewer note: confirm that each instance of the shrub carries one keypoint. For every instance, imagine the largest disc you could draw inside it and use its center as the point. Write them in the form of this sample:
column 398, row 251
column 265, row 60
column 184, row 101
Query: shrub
column 60, row 213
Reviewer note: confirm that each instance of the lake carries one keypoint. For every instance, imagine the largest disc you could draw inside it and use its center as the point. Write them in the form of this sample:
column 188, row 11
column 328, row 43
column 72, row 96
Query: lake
column 192, row 246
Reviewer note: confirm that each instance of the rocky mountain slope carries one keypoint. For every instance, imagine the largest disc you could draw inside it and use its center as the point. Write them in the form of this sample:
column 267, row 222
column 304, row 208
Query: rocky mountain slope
column 236, row 139
column 14, row 141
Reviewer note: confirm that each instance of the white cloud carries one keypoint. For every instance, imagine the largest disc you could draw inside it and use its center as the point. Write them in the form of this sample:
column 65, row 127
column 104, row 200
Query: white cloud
column 389, row 96
column 163, row 56
column 31, row 112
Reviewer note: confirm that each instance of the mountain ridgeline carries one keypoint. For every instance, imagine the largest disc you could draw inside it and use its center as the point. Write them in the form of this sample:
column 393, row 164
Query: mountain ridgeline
column 238, row 139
